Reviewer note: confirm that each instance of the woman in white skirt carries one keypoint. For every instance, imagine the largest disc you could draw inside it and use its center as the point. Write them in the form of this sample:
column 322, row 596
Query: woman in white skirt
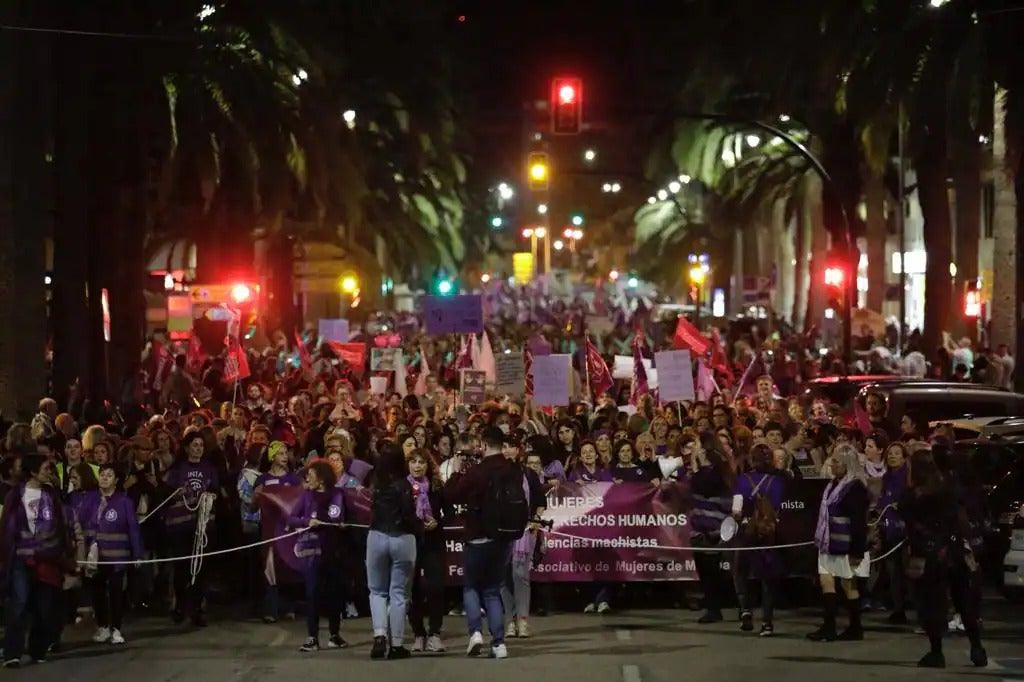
column 842, row 540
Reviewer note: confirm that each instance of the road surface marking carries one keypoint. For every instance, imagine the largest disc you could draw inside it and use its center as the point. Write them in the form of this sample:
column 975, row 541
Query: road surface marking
column 631, row 673
column 623, row 635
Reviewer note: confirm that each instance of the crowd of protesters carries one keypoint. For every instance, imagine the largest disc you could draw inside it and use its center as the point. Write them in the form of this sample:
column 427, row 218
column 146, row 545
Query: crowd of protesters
column 176, row 468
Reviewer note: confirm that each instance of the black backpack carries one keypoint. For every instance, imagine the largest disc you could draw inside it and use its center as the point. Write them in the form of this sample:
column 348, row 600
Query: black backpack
column 505, row 511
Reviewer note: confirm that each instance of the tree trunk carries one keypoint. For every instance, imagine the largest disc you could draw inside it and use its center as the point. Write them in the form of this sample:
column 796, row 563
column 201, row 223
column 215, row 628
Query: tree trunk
column 801, row 248
column 69, row 315
column 966, row 164
column 24, row 220
column 1004, row 224
column 782, row 238
column 876, row 234
column 819, row 248
column 931, row 177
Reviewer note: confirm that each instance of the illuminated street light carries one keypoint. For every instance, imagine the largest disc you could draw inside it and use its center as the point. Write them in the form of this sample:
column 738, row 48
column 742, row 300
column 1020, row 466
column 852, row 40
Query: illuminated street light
column 577, row 234
column 205, row 12
column 542, row 209
column 674, row 187
column 616, row 187
column 505, row 192
column 662, row 195
column 652, row 200
column 606, row 187
column 349, row 284
column 613, row 275
column 589, row 155
column 527, row 232
column 485, row 278
column 540, row 232
column 784, row 118
column 685, row 179
column 567, row 233
column 697, row 275
column 349, row 117
column 558, row 245
column 753, row 140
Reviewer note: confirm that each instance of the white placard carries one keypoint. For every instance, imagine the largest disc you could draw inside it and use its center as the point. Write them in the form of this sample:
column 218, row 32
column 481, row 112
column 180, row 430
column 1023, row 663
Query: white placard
column 675, row 375
column 551, row 380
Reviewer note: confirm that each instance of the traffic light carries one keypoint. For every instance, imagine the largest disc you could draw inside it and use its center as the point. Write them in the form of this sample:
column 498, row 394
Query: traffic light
column 566, row 105
column 577, row 219
column 538, row 171
column 835, row 280
column 240, row 293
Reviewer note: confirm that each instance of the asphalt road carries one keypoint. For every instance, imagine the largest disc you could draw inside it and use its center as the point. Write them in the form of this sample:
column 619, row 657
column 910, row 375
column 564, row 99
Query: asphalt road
column 639, row 646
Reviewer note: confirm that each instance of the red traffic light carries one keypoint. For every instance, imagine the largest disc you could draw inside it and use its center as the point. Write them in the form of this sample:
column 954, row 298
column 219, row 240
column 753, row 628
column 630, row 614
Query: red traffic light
column 240, row 293
column 834, row 276
column 566, row 105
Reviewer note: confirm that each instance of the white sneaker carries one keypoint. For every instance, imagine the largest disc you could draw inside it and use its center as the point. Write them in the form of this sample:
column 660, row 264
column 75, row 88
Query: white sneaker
column 589, row 608
column 523, row 629
column 350, row 611
column 102, row 635
column 956, row 625
column 419, row 644
column 499, row 651
column 510, row 629
column 476, row 642
column 435, row 644
column 116, row 637
column 603, row 607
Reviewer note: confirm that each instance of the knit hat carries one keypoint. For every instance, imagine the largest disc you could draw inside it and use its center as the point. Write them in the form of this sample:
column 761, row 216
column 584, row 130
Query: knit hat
column 274, row 449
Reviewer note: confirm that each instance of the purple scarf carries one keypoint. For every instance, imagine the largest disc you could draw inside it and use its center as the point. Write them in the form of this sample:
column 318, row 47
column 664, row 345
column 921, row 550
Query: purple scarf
column 421, row 491
column 834, row 492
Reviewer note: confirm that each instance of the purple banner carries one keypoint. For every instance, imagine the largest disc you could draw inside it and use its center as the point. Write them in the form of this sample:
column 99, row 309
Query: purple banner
column 610, row 532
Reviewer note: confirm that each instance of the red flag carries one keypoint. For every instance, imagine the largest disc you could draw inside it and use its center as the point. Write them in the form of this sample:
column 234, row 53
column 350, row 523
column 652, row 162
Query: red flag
column 688, row 336
column 194, row 356
column 861, row 417
column 353, row 353
column 719, row 359
column 640, row 386
column 305, row 361
column 236, row 364
column 597, row 370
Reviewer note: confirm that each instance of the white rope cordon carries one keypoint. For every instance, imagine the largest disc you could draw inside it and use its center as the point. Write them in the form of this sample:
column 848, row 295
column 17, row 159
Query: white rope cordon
column 204, row 510
column 157, row 508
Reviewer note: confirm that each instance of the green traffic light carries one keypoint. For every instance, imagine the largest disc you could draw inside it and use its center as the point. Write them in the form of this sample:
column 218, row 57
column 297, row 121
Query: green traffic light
column 444, row 287
column 496, row 222
column 577, row 220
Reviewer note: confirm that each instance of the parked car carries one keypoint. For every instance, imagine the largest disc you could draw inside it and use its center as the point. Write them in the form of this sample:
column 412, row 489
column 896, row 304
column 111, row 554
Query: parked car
column 1013, row 564
column 983, row 427
column 842, row 390
column 944, row 400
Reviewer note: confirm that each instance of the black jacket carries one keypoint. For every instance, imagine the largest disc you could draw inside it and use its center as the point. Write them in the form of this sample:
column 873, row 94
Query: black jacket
column 393, row 511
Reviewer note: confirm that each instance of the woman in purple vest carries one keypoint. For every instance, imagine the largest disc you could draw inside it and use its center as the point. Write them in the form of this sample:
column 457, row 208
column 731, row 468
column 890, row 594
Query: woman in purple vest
column 765, row 565
column 842, row 540
column 34, row 555
column 109, row 514
column 322, row 509
column 893, row 528
column 188, row 479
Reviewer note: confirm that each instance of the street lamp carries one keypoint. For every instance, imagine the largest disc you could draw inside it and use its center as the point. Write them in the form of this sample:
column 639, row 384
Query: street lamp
column 542, row 209
column 589, row 155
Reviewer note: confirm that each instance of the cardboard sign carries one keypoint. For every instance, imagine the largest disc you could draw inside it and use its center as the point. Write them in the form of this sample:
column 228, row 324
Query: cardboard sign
column 551, row 380
column 675, row 375
column 473, row 386
column 462, row 314
column 623, row 367
column 378, row 385
column 509, row 374
column 385, row 359
column 333, row 330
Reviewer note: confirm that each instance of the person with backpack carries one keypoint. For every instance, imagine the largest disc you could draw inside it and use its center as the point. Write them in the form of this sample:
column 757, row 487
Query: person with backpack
column 757, row 496
column 498, row 511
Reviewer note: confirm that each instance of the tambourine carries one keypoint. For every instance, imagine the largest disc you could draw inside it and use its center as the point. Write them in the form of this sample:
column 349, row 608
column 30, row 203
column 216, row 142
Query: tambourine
column 729, row 529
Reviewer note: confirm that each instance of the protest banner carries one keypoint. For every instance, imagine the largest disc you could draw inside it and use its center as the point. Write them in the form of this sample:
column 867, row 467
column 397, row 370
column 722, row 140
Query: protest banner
column 472, row 386
column 335, row 329
column 551, row 380
column 675, row 375
column 509, row 374
column 602, row 532
column 385, row 359
column 462, row 314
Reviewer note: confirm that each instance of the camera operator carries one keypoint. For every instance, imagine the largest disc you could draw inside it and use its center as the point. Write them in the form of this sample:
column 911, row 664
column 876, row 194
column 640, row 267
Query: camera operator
column 497, row 514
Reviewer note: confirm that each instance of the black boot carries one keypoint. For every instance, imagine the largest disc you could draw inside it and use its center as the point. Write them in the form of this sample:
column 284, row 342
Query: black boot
column 380, row 648
column 934, row 658
column 854, row 632
column 827, row 631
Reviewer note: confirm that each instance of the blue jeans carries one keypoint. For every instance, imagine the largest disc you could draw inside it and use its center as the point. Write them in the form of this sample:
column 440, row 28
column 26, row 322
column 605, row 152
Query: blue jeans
column 27, row 597
column 390, row 560
column 323, row 593
column 484, row 565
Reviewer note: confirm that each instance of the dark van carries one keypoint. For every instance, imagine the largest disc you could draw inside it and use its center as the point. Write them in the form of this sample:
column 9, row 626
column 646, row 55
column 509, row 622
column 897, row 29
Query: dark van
column 936, row 400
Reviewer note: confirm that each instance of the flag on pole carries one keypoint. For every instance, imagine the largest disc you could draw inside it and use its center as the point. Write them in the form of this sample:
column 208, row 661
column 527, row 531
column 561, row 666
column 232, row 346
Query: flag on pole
column 305, row 361
column 421, row 381
column 639, row 386
column 465, row 357
column 719, row 359
column 706, row 386
column 599, row 375
column 689, row 337
column 528, row 370
column 236, row 364
column 485, row 358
